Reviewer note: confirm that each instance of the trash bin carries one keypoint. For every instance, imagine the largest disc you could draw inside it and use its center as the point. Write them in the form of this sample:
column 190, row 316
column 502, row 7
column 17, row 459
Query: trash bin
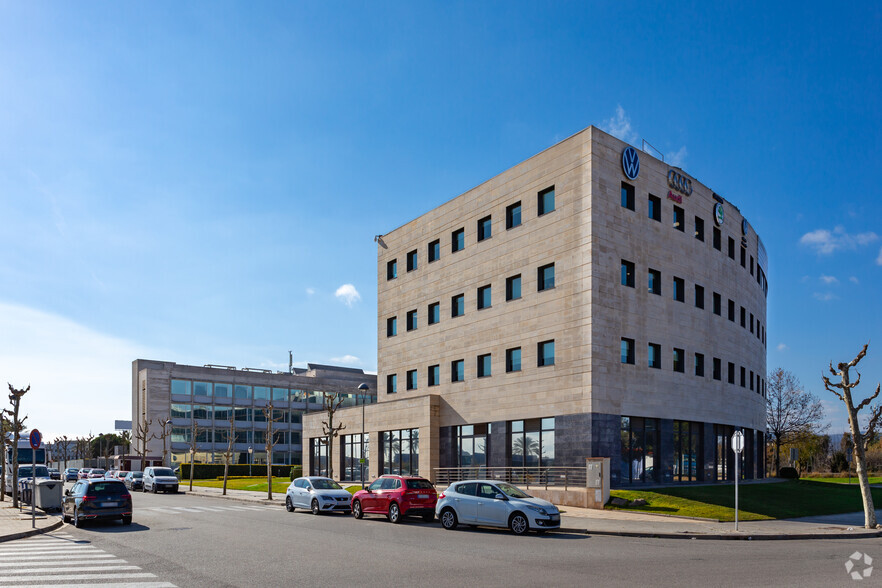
column 48, row 495
column 24, row 491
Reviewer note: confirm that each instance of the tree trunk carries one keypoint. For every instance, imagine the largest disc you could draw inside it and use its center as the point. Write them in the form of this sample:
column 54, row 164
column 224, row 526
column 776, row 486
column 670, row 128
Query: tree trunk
column 860, row 465
column 777, row 454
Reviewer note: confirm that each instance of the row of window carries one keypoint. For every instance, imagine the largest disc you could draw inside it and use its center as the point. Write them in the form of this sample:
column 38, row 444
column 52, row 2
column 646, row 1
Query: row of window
column 484, row 365
column 513, row 213
column 245, row 392
column 185, row 435
column 653, row 209
column 484, row 295
column 240, row 413
column 279, row 456
column 678, row 363
column 678, row 293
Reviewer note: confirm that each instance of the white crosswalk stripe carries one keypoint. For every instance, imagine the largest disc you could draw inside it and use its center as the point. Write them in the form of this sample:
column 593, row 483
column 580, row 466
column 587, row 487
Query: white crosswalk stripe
column 60, row 559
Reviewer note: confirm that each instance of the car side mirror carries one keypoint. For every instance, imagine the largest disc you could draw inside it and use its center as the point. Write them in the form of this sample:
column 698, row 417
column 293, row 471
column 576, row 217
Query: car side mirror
column 500, row 497
column 67, row 492
column 368, row 490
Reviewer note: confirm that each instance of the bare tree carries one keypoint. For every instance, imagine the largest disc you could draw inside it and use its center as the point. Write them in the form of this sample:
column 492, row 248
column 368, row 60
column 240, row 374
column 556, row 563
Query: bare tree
column 270, row 443
column 792, row 413
column 17, row 428
column 842, row 390
column 142, row 436
column 332, row 403
column 194, row 433
column 62, row 445
column 164, row 432
column 228, row 454
column 5, row 429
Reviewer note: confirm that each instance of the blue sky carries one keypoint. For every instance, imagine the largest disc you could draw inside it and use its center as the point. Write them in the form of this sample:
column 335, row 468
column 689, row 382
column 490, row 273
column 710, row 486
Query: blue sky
column 201, row 182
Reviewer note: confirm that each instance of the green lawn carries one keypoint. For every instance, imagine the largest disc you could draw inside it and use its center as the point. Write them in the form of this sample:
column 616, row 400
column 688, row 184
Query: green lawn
column 854, row 480
column 783, row 500
column 254, row 484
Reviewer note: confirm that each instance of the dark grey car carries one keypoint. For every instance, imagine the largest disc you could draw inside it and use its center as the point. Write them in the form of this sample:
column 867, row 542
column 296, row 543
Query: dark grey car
column 134, row 480
column 97, row 498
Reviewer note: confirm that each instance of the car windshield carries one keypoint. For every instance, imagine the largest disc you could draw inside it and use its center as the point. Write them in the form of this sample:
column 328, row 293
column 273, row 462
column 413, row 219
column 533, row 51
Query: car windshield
column 108, row 489
column 323, row 484
column 419, row 485
column 27, row 472
column 512, row 491
column 163, row 472
column 97, row 472
column 138, row 475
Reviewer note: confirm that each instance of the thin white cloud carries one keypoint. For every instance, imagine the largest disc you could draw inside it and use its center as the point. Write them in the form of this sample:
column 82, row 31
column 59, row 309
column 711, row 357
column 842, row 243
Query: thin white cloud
column 677, row 159
column 65, row 363
column 346, row 360
column 854, row 280
column 879, row 259
column 829, row 280
column 825, row 242
column 620, row 126
column 782, row 347
column 348, row 294
column 825, row 297
column 310, row 291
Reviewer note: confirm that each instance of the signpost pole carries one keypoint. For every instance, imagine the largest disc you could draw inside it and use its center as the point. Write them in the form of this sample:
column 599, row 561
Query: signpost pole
column 737, row 447
column 35, row 439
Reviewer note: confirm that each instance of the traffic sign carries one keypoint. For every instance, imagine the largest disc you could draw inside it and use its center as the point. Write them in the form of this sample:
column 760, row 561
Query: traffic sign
column 737, row 441
column 35, row 438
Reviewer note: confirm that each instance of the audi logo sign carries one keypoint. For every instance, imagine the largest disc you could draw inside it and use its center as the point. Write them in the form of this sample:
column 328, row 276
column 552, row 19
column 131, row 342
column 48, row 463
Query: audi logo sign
column 630, row 163
column 679, row 182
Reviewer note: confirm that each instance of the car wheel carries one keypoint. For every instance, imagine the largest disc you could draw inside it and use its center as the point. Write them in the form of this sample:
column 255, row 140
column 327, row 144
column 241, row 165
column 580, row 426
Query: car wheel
column 315, row 507
column 127, row 520
column 289, row 506
column 65, row 518
column 154, row 489
column 77, row 522
column 448, row 519
column 518, row 524
column 394, row 513
column 356, row 510
column 428, row 517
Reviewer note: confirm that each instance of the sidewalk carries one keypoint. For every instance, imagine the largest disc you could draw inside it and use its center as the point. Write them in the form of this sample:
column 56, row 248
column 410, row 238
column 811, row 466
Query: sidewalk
column 16, row 524
column 630, row 524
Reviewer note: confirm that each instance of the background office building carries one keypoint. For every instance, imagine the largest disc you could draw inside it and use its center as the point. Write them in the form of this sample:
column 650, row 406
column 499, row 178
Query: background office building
column 591, row 301
column 166, row 392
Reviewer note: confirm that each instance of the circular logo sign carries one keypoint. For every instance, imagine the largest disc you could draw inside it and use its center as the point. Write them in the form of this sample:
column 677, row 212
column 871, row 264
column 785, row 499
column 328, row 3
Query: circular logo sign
column 35, row 438
column 718, row 213
column 630, row 163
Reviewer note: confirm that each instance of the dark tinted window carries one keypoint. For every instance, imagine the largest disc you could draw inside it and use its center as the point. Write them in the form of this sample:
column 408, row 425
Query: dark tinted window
column 108, row 489
column 163, row 472
column 419, row 485
column 467, row 489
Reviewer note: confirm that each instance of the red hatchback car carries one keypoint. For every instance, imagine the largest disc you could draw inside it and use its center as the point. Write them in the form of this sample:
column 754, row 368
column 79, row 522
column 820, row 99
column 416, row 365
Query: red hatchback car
column 397, row 497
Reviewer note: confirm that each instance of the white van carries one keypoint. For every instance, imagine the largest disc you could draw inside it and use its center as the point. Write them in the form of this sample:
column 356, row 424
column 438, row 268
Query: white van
column 158, row 479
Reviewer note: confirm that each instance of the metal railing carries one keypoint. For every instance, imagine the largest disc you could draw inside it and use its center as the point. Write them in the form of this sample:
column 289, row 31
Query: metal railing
column 552, row 476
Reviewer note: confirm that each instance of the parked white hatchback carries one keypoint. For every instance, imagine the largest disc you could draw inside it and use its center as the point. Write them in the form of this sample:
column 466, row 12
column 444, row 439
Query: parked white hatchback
column 318, row 494
column 495, row 504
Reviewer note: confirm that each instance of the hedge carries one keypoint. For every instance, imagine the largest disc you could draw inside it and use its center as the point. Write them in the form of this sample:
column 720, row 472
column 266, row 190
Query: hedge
column 205, row 471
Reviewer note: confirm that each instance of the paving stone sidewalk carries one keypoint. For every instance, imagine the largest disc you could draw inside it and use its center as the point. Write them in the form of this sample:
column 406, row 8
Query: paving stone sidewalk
column 16, row 523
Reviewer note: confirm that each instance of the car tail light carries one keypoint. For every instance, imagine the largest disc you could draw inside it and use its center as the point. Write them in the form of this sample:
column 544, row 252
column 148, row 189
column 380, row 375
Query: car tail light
column 88, row 498
column 125, row 496
column 440, row 496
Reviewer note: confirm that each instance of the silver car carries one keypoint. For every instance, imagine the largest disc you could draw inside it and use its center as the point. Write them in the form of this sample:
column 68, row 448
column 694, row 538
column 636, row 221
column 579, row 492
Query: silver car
column 318, row 494
column 495, row 504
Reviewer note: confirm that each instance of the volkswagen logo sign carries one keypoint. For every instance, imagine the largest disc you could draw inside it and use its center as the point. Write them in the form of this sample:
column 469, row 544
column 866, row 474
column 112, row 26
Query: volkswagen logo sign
column 718, row 213
column 630, row 163
column 679, row 182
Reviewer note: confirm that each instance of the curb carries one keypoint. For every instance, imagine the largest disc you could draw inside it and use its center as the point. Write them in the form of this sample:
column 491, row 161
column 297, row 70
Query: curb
column 11, row 537
column 719, row 537
column 263, row 501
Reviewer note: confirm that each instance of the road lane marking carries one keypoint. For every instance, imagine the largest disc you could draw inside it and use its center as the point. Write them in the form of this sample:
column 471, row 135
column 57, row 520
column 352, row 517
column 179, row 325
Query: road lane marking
column 45, row 563
column 85, row 568
column 126, row 575
column 120, row 585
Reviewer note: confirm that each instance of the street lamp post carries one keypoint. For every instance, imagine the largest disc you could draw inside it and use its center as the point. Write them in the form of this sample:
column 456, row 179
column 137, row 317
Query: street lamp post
column 363, row 388
column 250, row 453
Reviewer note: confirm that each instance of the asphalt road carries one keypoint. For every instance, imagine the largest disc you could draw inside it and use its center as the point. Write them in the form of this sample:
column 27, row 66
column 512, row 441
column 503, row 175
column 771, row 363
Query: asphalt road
column 195, row 541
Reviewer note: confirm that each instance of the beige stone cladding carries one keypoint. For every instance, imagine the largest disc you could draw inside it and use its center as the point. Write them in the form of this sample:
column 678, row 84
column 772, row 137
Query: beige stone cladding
column 618, row 311
column 557, row 314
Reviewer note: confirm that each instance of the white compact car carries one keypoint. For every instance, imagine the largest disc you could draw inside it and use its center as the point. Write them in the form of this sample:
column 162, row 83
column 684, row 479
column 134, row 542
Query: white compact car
column 318, row 494
column 495, row 504
column 160, row 480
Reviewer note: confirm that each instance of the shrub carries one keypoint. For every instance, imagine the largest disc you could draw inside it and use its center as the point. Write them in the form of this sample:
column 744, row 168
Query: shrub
column 838, row 463
column 788, row 474
column 207, row 471
column 296, row 472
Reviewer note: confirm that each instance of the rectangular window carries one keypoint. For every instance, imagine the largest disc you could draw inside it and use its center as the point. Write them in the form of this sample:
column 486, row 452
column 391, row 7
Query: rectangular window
column 484, row 228
column 699, row 365
column 484, row 365
column 513, row 215
column 718, row 304
column 751, row 323
column 546, row 353
column 679, row 286
column 751, row 380
column 546, row 201
column 627, row 350
column 457, row 370
column 223, row 391
column 411, row 320
column 181, row 411
column 731, row 248
column 434, row 313
column 627, row 196
column 731, row 373
column 743, row 377
column 699, row 229
column 242, row 392
column 391, row 383
column 679, row 219
column 654, row 210
column 180, row 388
column 743, row 318
column 392, row 269
column 412, row 260
column 457, row 305
column 513, row 359
column 751, row 265
column 434, row 253
column 513, row 287
column 411, row 379
column 743, row 258
column 654, row 355
column 546, row 277
column 201, row 388
column 718, row 369
column 732, row 310
column 627, row 273
column 699, row 296
column 484, row 297
column 457, row 240
column 434, row 375
column 718, row 238
column 654, row 281
column 392, row 326
column 679, row 360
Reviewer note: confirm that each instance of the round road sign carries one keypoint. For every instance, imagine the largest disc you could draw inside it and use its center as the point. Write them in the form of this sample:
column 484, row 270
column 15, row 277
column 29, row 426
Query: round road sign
column 737, row 441
column 35, row 438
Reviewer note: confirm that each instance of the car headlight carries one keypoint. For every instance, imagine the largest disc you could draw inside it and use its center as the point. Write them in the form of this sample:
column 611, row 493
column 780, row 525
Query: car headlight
column 326, row 497
column 538, row 509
